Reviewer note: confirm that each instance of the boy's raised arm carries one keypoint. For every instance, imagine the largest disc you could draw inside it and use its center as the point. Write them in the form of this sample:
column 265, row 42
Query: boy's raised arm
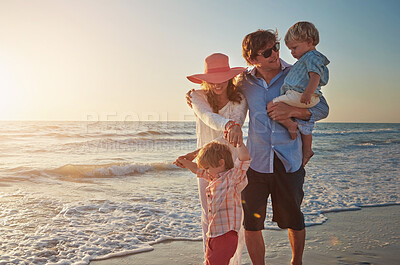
column 188, row 164
column 243, row 153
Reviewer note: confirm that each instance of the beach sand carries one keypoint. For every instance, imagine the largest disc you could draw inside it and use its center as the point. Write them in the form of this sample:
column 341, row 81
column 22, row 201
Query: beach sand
column 367, row 236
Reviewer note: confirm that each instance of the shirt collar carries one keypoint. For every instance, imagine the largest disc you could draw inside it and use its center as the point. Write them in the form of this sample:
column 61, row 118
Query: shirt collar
column 284, row 65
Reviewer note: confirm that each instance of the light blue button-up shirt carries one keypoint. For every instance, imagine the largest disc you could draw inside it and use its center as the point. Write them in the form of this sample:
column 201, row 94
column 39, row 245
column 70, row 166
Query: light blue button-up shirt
column 267, row 136
column 297, row 80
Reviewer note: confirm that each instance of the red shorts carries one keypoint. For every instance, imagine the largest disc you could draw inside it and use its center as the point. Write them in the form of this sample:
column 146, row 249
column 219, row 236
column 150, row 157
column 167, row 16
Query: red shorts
column 221, row 249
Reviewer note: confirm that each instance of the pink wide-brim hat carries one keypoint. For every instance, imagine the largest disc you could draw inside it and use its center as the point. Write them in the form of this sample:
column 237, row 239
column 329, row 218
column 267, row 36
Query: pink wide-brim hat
column 217, row 70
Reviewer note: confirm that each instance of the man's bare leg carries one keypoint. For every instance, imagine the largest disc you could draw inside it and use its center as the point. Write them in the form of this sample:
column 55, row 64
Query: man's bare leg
column 255, row 246
column 297, row 239
column 307, row 148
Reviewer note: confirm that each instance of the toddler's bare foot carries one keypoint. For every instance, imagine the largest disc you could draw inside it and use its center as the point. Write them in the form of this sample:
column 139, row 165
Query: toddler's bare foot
column 307, row 156
column 292, row 128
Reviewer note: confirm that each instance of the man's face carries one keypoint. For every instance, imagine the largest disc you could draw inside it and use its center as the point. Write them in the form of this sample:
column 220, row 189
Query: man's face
column 270, row 63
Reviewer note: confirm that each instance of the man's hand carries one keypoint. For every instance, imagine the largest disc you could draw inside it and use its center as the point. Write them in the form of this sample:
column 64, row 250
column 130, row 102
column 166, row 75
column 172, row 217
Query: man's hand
column 234, row 136
column 189, row 98
column 279, row 111
column 282, row 111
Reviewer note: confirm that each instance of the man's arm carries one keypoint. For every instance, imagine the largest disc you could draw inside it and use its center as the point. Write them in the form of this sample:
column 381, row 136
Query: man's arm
column 320, row 111
column 281, row 111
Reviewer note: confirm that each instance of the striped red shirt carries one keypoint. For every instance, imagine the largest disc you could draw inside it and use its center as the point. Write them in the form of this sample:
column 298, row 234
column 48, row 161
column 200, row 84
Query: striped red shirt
column 224, row 199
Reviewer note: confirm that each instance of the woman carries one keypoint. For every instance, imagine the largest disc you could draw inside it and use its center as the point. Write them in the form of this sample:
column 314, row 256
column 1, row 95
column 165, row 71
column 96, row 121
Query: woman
column 218, row 108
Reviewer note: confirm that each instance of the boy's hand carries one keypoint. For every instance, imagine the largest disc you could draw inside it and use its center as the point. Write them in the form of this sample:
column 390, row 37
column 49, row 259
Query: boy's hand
column 305, row 98
column 243, row 153
column 177, row 163
column 189, row 156
column 180, row 162
column 187, row 164
column 189, row 98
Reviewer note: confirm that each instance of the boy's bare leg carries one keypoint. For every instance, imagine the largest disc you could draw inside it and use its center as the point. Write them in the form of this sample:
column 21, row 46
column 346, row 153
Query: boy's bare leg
column 307, row 148
column 291, row 126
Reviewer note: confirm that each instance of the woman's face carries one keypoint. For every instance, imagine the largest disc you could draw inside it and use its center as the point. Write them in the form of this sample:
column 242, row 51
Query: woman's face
column 219, row 89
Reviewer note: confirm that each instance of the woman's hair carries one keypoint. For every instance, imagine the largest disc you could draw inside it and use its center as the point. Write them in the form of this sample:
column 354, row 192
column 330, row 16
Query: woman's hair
column 255, row 41
column 302, row 31
column 210, row 155
column 233, row 94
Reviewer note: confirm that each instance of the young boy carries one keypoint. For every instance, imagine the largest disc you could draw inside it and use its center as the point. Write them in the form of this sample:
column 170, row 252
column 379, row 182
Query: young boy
column 302, row 86
column 226, row 180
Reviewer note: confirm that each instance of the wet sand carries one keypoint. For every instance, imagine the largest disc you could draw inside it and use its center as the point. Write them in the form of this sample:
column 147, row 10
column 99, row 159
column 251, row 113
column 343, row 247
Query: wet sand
column 367, row 236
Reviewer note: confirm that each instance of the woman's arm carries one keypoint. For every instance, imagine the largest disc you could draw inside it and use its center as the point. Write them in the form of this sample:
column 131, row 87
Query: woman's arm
column 240, row 111
column 204, row 112
column 234, row 134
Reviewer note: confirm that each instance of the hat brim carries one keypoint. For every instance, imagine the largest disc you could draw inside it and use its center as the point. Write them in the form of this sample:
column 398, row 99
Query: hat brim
column 216, row 78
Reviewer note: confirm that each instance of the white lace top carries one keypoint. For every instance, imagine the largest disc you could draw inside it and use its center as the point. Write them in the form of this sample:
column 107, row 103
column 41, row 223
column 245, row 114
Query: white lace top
column 210, row 125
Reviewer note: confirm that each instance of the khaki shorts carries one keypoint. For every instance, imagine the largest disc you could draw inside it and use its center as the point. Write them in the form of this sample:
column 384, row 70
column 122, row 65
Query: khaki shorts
column 292, row 98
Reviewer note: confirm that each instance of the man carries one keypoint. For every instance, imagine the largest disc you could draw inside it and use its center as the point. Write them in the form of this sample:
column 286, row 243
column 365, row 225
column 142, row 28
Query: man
column 276, row 168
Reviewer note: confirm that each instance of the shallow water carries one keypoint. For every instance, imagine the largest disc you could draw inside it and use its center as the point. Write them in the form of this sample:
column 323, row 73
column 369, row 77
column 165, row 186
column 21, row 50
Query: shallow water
column 71, row 192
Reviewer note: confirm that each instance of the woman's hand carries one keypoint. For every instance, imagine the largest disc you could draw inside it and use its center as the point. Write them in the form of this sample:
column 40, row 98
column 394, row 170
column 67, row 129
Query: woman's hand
column 189, row 98
column 234, row 135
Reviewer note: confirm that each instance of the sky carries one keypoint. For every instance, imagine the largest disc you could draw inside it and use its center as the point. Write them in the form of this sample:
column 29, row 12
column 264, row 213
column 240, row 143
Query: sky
column 128, row 60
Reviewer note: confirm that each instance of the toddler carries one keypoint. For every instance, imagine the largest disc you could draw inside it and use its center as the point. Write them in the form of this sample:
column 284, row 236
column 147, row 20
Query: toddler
column 302, row 86
column 226, row 180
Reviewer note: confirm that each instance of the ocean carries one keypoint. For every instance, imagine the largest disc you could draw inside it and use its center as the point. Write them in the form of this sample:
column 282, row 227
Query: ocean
column 71, row 192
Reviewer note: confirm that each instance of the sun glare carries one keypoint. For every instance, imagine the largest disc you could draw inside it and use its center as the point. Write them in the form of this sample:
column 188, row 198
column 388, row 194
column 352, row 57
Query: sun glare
column 8, row 95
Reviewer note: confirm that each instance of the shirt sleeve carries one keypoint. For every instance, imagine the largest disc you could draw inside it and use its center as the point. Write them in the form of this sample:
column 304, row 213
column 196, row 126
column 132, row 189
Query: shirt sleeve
column 239, row 174
column 315, row 64
column 240, row 111
column 241, row 168
column 204, row 112
column 318, row 112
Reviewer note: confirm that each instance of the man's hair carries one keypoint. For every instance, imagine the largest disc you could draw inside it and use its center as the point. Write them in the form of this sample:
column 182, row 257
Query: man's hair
column 255, row 41
column 302, row 31
column 212, row 153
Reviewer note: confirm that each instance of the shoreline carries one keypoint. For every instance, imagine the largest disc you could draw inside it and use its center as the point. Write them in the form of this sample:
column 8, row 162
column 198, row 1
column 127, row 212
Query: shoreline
column 370, row 235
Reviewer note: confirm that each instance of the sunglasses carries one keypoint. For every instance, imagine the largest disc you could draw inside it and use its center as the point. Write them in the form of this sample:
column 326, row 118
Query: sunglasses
column 267, row 53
